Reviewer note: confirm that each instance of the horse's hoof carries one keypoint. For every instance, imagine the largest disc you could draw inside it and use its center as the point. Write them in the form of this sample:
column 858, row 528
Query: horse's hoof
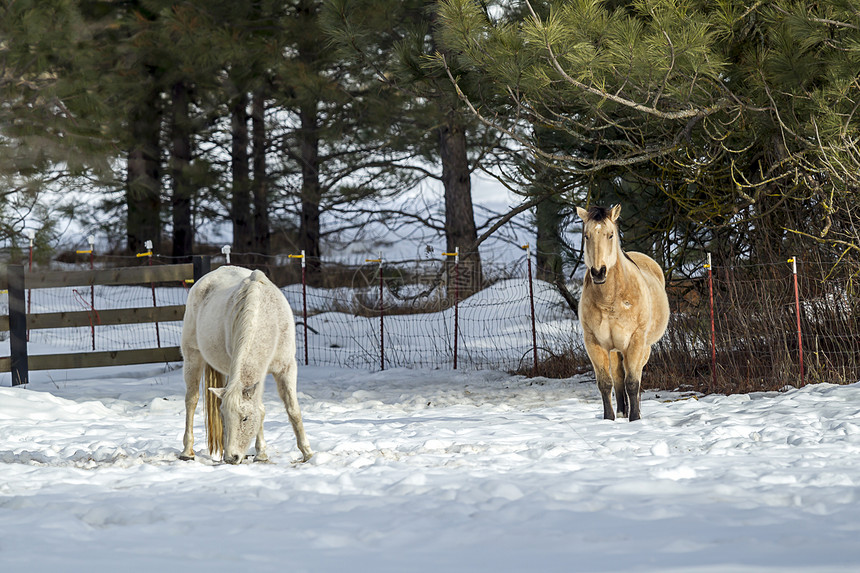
column 185, row 458
column 263, row 458
column 307, row 456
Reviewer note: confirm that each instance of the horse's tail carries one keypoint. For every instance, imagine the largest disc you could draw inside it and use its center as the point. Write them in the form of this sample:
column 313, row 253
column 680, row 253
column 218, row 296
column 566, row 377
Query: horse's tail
column 214, row 426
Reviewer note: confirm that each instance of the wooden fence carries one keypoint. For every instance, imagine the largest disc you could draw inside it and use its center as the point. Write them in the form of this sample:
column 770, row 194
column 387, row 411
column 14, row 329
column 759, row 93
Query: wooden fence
column 18, row 322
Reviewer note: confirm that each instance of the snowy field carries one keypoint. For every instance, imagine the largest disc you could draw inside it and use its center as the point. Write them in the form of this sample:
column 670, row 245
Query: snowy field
column 429, row 470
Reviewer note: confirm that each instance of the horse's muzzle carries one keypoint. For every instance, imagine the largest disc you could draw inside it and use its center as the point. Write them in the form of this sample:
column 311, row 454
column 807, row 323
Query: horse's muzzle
column 234, row 459
column 598, row 275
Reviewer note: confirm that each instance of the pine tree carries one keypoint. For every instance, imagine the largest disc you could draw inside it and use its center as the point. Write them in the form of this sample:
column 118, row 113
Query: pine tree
column 130, row 62
column 339, row 140
column 43, row 144
column 724, row 111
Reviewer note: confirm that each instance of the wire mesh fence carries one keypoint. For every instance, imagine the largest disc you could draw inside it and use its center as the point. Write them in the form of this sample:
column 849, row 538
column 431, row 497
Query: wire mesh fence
column 406, row 319
column 732, row 328
column 764, row 334
column 100, row 298
column 346, row 327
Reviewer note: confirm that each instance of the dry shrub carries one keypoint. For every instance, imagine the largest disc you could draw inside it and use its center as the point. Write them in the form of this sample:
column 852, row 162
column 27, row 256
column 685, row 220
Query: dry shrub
column 570, row 363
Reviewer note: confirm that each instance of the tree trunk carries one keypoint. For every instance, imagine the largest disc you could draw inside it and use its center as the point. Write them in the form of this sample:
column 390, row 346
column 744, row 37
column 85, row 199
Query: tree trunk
column 548, row 246
column 143, row 181
column 262, row 232
column 183, row 229
column 240, row 212
column 309, row 225
column 460, row 230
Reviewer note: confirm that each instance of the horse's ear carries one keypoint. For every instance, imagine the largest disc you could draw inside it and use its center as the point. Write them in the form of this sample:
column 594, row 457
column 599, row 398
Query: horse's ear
column 248, row 391
column 219, row 392
column 582, row 213
column 615, row 213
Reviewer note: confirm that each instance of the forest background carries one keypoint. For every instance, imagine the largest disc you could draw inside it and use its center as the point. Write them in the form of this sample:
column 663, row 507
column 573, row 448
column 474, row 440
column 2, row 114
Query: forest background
column 725, row 127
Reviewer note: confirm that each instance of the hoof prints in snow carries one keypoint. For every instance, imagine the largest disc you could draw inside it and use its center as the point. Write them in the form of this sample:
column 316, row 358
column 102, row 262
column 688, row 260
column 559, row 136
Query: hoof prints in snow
column 417, row 470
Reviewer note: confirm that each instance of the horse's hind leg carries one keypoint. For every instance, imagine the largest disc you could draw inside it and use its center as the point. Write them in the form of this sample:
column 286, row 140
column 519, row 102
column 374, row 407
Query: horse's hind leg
column 192, row 370
column 286, row 381
column 616, row 360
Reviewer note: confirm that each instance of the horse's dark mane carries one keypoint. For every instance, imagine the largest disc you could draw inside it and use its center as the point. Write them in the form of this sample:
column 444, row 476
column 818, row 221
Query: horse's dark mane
column 598, row 214
column 629, row 259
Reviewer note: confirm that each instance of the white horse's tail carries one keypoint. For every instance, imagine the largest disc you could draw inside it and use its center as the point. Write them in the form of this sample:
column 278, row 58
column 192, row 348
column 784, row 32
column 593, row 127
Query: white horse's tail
column 214, row 426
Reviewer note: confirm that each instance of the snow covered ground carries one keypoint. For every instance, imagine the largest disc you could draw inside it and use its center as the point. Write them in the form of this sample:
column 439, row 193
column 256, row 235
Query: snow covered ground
column 429, row 470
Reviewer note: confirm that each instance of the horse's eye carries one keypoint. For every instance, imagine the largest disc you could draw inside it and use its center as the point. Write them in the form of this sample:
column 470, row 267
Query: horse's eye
column 245, row 419
column 611, row 235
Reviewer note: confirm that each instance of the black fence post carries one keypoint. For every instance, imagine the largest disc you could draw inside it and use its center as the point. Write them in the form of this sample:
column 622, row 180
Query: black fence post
column 532, row 306
column 202, row 265
column 456, row 255
column 18, row 325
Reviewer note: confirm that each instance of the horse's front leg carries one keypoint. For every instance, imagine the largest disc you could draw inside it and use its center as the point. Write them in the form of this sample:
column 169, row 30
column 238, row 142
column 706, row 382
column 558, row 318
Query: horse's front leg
column 635, row 358
column 616, row 360
column 600, row 362
column 260, row 444
column 286, row 382
column 192, row 370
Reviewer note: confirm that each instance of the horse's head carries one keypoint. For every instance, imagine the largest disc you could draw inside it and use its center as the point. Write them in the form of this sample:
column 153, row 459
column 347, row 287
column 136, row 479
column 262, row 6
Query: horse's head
column 242, row 415
column 601, row 243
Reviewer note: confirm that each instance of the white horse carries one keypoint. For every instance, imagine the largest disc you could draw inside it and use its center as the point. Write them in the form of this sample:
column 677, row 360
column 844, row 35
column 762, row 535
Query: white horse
column 239, row 325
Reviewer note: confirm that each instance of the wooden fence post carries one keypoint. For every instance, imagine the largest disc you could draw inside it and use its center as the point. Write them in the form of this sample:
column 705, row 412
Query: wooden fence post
column 202, row 264
column 91, row 253
column 18, row 325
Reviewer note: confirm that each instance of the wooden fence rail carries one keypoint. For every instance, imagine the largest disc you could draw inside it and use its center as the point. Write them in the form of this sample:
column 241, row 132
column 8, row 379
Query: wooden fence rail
column 18, row 322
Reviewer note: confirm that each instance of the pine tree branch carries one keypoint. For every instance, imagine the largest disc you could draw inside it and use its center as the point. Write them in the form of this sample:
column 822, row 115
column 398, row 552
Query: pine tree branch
column 637, row 156
column 650, row 110
column 510, row 215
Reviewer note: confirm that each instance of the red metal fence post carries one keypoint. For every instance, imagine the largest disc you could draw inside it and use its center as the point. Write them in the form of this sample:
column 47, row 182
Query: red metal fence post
column 381, row 314
column 793, row 262
column 456, row 304
column 381, row 320
column 305, row 304
column 713, row 330
column 92, row 241
column 304, row 300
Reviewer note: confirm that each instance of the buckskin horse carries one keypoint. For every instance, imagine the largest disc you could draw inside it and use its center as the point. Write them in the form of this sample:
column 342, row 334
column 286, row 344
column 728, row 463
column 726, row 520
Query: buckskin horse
column 623, row 310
